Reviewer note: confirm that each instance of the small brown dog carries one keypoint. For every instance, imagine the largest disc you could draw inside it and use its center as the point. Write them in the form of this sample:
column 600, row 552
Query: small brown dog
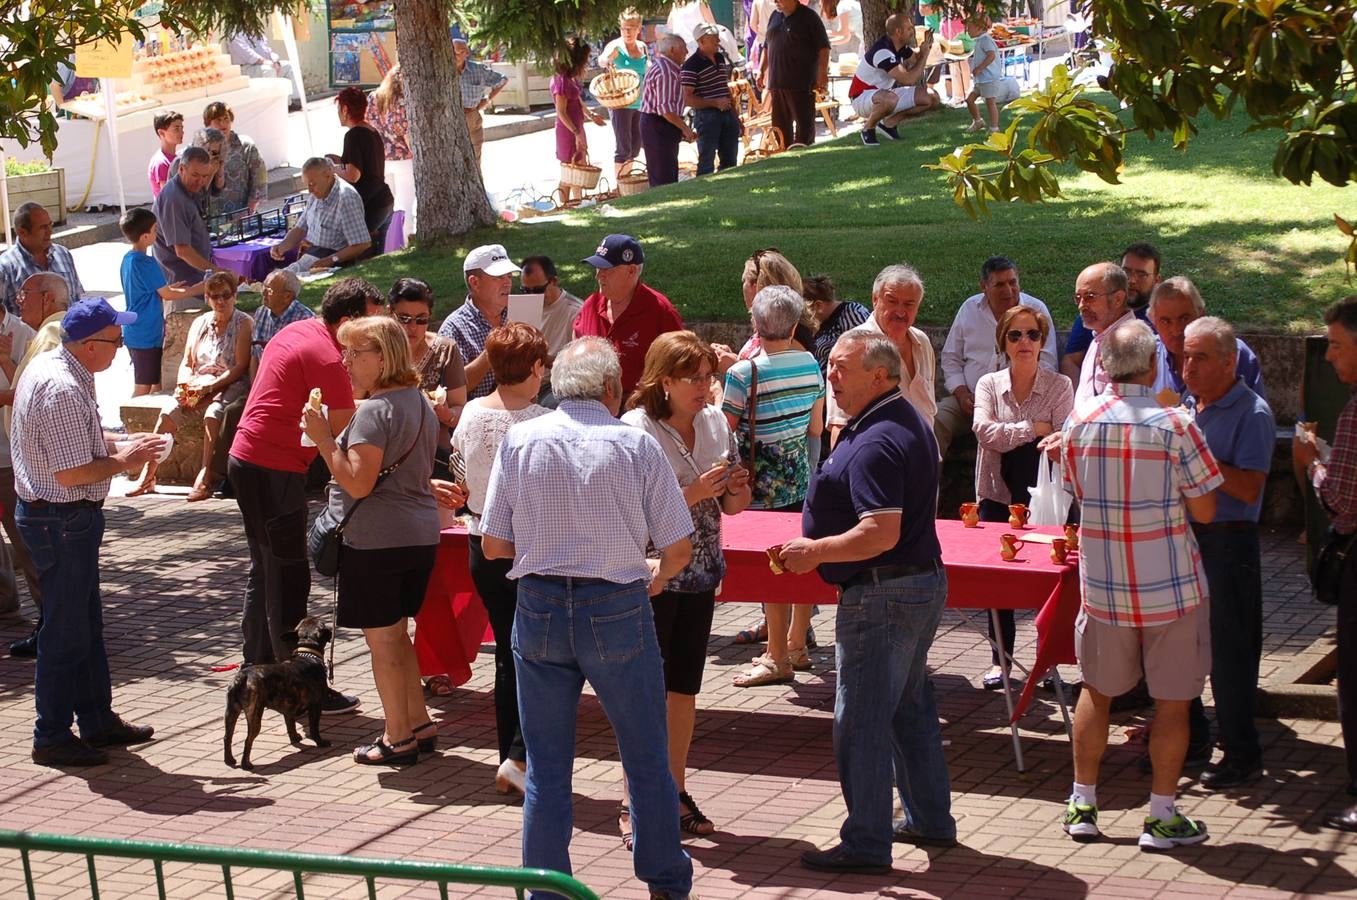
column 294, row 688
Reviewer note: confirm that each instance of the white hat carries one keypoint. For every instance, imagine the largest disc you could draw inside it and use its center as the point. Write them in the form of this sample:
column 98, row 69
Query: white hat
column 492, row 259
column 705, row 28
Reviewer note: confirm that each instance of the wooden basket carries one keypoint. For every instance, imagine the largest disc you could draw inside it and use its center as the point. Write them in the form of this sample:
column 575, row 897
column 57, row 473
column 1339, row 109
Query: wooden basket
column 616, row 88
column 633, row 182
column 580, row 175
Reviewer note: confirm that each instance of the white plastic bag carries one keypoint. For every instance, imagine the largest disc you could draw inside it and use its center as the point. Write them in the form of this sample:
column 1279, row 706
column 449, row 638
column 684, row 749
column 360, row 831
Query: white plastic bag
column 1050, row 502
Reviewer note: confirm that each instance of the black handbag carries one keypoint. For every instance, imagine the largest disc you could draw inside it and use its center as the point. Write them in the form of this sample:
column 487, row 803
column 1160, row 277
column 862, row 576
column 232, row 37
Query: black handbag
column 326, row 536
column 1333, row 557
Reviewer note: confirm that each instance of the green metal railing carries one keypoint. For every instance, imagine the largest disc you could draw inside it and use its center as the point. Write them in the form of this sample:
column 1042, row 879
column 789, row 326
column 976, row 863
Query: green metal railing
column 160, row 852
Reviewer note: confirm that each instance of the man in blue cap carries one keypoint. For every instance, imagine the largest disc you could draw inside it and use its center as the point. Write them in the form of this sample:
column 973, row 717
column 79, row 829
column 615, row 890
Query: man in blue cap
column 623, row 310
column 63, row 464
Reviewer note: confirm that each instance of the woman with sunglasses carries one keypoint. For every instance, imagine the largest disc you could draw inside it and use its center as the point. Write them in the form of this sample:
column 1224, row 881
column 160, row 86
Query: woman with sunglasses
column 436, row 360
column 1015, row 407
column 213, row 374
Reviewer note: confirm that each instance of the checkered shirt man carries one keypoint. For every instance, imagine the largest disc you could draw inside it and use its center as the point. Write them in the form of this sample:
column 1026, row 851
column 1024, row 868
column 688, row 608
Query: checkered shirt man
column 476, row 82
column 467, row 328
column 56, row 427
column 1129, row 462
column 17, row 265
column 337, row 221
column 266, row 324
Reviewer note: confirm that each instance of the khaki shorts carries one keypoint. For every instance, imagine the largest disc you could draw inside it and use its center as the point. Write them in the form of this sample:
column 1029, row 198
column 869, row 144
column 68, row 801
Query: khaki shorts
column 1174, row 659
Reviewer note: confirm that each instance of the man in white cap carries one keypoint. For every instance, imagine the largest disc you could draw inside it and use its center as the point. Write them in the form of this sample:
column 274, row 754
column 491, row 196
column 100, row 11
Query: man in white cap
column 489, row 274
column 623, row 310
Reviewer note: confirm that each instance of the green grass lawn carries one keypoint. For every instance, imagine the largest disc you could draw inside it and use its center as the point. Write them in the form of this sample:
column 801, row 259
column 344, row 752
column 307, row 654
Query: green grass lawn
column 1264, row 253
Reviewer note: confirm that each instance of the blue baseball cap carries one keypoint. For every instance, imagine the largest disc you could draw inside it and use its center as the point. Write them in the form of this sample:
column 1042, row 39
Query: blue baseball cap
column 86, row 318
column 617, row 250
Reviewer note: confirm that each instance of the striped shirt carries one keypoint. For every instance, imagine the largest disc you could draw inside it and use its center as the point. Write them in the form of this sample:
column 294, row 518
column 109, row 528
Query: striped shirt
column 56, row 428
column 709, row 79
column 577, row 465
column 266, row 324
column 662, row 88
column 17, row 265
column 1130, row 463
column 789, row 385
column 337, row 221
column 467, row 328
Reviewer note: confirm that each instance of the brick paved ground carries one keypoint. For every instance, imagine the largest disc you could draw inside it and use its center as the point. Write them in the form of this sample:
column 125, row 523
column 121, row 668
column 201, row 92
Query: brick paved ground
column 763, row 767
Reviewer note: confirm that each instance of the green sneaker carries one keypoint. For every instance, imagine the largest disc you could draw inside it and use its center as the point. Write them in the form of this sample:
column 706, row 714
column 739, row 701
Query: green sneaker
column 1180, row 831
column 1081, row 822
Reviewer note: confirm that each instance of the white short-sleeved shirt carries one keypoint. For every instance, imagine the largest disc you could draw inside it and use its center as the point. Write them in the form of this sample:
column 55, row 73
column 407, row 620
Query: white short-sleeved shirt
column 920, row 390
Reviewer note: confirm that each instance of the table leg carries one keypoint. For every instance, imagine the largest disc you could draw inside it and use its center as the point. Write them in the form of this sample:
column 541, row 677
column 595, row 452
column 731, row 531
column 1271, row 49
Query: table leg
column 1004, row 662
column 1060, row 695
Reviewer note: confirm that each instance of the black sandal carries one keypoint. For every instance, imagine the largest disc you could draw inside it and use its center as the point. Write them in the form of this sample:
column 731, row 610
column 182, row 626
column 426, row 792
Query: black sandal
column 624, row 816
column 427, row 744
column 693, row 820
column 388, row 754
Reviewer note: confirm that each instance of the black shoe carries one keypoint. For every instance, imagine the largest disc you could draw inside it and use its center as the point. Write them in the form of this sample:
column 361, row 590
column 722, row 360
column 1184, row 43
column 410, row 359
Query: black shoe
column 1344, row 820
column 903, row 834
column 869, row 140
column 1227, row 774
column 121, row 734
column 25, row 648
column 1197, row 757
column 336, row 703
column 889, row 131
column 74, row 753
column 836, row 860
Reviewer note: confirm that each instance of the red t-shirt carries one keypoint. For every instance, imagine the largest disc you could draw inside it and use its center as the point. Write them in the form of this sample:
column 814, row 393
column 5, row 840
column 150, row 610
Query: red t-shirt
column 649, row 315
column 304, row 355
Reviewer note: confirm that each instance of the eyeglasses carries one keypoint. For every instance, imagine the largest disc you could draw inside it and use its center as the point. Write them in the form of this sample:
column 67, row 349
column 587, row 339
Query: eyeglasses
column 538, row 289
column 1089, row 296
column 412, row 320
column 1140, row 273
column 698, row 380
column 116, row 342
column 1031, row 334
column 221, row 297
column 351, row 352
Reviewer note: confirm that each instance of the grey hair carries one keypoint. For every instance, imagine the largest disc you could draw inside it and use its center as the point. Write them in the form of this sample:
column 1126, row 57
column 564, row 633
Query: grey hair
column 1180, row 286
column 878, row 351
column 194, row 154
column 51, row 281
column 1114, row 278
column 317, row 162
column 23, row 216
column 776, row 310
column 585, row 368
column 1219, row 330
column 208, row 135
column 291, row 283
column 1129, row 351
column 898, row 273
column 670, row 42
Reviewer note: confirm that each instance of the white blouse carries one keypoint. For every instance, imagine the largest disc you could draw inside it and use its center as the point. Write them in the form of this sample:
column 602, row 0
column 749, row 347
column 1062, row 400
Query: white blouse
column 477, row 437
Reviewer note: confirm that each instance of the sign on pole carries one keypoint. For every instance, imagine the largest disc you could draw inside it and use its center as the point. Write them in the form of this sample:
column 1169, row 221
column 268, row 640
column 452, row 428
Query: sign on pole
column 107, row 60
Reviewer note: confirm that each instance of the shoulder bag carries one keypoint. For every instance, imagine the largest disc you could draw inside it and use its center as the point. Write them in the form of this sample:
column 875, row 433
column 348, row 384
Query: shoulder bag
column 751, row 413
column 1333, row 557
column 327, row 536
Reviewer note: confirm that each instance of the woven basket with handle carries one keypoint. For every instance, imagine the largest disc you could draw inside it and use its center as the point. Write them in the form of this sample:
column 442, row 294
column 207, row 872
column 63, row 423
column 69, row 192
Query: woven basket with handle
column 634, row 181
column 616, row 88
column 580, row 175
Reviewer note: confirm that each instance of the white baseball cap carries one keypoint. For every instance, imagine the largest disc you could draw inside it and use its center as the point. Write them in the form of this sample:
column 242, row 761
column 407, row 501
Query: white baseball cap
column 492, row 259
column 703, row 29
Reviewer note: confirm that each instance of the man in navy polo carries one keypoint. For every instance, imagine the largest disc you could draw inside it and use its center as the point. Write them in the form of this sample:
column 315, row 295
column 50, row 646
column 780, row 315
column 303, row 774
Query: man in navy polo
column 1241, row 432
column 869, row 529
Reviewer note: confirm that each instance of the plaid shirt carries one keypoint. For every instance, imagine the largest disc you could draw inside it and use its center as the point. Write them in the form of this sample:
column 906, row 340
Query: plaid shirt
column 17, row 265
column 337, row 221
column 468, row 329
column 266, row 324
column 476, row 82
column 56, row 427
column 1130, row 463
column 1336, row 483
column 579, row 464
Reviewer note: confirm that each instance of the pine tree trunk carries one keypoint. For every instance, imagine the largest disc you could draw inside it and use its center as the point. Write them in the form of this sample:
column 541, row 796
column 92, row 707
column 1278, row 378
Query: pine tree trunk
column 448, row 183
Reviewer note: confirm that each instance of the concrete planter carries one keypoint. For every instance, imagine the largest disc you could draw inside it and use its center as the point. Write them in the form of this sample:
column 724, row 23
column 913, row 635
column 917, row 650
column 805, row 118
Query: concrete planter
column 47, row 188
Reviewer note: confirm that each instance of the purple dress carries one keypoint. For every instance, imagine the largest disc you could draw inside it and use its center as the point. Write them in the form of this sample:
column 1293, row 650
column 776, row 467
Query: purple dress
column 569, row 88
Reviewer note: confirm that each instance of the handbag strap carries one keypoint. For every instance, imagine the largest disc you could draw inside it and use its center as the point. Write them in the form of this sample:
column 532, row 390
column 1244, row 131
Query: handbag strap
column 751, row 413
column 381, row 476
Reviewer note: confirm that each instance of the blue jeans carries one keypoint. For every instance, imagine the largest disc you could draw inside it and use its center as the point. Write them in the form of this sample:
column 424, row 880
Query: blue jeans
column 72, row 680
column 1232, row 561
column 718, row 134
column 567, row 632
column 884, row 713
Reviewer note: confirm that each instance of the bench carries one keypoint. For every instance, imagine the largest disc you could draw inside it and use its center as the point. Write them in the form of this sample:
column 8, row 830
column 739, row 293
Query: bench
column 140, row 413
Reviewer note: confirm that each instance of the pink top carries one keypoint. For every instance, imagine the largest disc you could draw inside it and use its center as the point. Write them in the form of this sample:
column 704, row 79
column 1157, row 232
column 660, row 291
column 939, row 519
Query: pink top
column 158, row 172
column 1003, row 424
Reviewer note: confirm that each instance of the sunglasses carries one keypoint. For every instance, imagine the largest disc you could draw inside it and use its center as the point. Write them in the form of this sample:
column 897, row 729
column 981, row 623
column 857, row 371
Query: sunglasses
column 698, row 380
column 412, row 320
column 539, row 289
column 1031, row 334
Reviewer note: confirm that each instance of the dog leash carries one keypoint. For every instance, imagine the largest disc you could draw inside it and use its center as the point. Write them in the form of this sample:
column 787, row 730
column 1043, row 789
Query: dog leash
column 334, row 618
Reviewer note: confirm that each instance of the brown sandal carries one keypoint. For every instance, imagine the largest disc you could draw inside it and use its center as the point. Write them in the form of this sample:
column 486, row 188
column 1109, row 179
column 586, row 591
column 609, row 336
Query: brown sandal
column 765, row 671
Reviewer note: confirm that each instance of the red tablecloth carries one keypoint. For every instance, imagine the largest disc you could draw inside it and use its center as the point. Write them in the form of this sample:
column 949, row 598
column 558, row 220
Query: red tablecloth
column 452, row 623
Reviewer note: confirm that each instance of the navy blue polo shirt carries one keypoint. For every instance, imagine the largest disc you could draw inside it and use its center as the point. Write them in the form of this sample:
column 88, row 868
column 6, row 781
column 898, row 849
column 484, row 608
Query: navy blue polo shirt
column 1241, row 432
column 886, row 461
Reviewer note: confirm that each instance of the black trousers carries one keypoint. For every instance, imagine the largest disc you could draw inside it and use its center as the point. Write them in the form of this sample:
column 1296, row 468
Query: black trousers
column 499, row 593
column 1347, row 664
column 273, row 505
column 661, row 140
column 794, row 115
